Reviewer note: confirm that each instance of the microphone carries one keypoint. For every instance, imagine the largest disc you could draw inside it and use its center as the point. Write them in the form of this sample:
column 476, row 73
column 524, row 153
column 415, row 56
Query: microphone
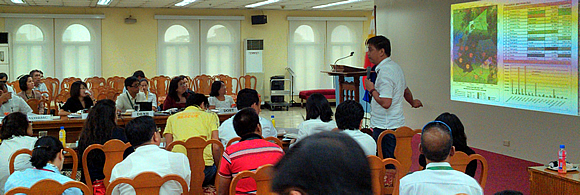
column 369, row 72
column 351, row 54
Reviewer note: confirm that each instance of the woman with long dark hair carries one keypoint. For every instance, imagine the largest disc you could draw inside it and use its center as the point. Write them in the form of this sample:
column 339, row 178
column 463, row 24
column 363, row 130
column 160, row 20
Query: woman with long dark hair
column 217, row 96
column 80, row 99
column 100, row 127
column 27, row 86
column 16, row 134
column 47, row 159
column 177, row 95
column 318, row 117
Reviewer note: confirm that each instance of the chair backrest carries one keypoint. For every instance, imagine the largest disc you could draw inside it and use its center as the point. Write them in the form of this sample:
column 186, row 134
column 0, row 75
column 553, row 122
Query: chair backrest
column 378, row 173
column 148, row 183
column 274, row 140
column 231, row 83
column 94, row 82
column 117, row 83
column 403, row 149
column 202, row 84
column 235, row 139
column 247, row 81
column 73, row 154
column 460, row 160
column 34, row 104
column 49, row 186
column 195, row 147
column 113, row 150
column 53, row 86
column 108, row 93
column 160, row 84
column 16, row 86
column 263, row 176
column 67, row 82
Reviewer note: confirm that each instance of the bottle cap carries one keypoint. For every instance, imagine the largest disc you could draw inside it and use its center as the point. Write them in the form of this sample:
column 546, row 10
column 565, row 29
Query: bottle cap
column 272, row 116
column 61, row 127
column 562, row 146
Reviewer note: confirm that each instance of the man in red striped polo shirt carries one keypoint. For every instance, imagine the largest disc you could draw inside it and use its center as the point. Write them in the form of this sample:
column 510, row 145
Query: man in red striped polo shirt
column 250, row 153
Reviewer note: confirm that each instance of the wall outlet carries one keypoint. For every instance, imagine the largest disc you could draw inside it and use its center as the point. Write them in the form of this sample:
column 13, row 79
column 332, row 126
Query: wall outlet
column 506, row 143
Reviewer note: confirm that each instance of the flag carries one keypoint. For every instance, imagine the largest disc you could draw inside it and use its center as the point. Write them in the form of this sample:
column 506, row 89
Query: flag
column 372, row 32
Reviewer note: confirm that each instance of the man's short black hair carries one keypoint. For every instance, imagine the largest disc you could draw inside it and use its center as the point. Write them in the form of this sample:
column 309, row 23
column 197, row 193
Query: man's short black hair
column 508, row 192
column 196, row 99
column 140, row 130
column 437, row 146
column 139, row 73
column 380, row 42
column 332, row 158
column 130, row 80
column 3, row 75
column 246, row 121
column 246, row 98
column 349, row 114
column 35, row 71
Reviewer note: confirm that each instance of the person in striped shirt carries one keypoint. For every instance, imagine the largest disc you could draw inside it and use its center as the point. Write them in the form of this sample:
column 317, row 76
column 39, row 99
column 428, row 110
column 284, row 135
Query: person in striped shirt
column 250, row 153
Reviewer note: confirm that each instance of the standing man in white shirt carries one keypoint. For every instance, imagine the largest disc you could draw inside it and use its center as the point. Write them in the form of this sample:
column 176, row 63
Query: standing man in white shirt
column 12, row 103
column 4, row 79
column 246, row 98
column 129, row 98
column 438, row 178
column 37, row 76
column 388, row 92
column 144, row 137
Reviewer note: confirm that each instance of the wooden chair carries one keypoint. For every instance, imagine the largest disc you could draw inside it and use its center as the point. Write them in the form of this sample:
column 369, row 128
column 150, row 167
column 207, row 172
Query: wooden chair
column 232, row 83
column 403, row 149
column 378, row 173
column 108, row 93
column 195, row 147
column 15, row 85
column 235, row 139
column 94, row 82
column 148, row 183
column 113, row 150
column 246, row 82
column 263, row 176
column 34, row 104
column 49, row 186
column 460, row 160
column 160, row 84
column 67, row 82
column 53, row 86
column 270, row 139
column 73, row 154
column 202, row 84
column 117, row 83
column 59, row 100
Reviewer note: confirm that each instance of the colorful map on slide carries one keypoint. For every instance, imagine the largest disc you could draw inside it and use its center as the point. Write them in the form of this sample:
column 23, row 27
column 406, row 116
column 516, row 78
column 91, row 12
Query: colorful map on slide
column 517, row 54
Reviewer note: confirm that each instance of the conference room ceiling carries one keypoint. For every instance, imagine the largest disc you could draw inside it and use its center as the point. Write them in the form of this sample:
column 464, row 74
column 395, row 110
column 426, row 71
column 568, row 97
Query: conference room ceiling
column 202, row 4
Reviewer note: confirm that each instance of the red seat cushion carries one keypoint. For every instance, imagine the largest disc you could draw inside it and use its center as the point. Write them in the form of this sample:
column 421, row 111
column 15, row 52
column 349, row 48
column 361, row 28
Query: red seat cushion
column 328, row 93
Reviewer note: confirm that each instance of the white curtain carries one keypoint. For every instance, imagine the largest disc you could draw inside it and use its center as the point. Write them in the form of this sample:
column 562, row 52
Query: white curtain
column 32, row 41
column 306, row 40
column 78, row 48
column 343, row 38
column 178, row 47
column 220, row 47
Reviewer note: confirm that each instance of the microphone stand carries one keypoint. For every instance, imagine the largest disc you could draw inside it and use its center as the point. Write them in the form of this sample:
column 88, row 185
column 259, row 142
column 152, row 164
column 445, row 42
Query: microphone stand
column 342, row 58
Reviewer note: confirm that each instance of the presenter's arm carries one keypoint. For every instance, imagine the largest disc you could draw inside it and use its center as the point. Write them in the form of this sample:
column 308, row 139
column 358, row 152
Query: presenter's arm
column 415, row 103
column 384, row 102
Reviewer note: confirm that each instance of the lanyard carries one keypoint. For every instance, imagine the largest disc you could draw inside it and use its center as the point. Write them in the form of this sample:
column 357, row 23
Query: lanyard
column 129, row 98
column 440, row 168
column 45, row 170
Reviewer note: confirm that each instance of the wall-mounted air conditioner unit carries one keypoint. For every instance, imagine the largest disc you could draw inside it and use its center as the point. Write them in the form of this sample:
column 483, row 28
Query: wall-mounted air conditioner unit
column 253, row 49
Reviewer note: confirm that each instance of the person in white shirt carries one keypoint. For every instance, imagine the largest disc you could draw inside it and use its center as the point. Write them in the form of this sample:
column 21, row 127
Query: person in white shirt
column 16, row 134
column 217, row 96
column 4, row 79
column 128, row 99
column 12, row 103
column 246, row 98
column 388, row 92
column 318, row 117
column 438, row 178
column 349, row 116
column 151, row 97
column 144, row 137
column 37, row 76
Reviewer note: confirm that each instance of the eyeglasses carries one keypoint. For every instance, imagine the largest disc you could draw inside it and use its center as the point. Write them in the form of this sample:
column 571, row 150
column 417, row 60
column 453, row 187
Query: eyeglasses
column 182, row 84
column 136, row 85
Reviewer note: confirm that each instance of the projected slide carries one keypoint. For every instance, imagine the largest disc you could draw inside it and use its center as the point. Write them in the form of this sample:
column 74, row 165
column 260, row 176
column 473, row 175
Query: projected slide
column 518, row 54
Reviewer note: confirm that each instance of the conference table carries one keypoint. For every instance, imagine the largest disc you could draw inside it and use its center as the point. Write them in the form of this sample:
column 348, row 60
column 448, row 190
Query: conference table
column 544, row 181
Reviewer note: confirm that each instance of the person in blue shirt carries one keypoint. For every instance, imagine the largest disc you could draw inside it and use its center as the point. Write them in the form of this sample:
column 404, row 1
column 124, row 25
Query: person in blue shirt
column 47, row 159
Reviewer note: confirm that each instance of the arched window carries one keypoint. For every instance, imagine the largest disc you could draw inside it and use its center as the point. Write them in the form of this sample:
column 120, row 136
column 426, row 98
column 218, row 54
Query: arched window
column 29, row 33
column 221, row 48
column 306, row 55
column 176, row 34
column 343, row 41
column 29, row 47
column 176, row 49
column 76, row 33
column 77, row 58
column 304, row 34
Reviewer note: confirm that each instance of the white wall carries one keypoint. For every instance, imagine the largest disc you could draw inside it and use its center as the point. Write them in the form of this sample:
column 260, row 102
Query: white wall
column 419, row 34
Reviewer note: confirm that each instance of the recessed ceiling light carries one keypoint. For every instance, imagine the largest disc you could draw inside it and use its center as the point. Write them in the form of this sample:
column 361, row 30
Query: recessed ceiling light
column 335, row 4
column 104, row 2
column 184, row 3
column 261, row 3
column 18, row 1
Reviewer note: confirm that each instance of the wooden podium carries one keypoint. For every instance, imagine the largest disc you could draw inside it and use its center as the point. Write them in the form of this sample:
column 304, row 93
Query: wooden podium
column 347, row 90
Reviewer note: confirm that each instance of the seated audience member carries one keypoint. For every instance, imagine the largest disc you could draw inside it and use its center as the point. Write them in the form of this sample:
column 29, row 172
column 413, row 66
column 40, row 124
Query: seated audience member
column 323, row 163
column 16, row 134
column 100, row 127
column 27, row 86
column 139, row 74
column 349, row 116
column 177, row 93
column 129, row 98
column 151, row 97
column 247, row 98
column 80, row 99
column 217, row 96
column 194, row 121
column 459, row 141
column 4, row 79
column 37, row 76
column 508, row 192
column 12, row 103
column 249, row 154
column 47, row 159
column 144, row 137
column 439, row 177
column 318, row 117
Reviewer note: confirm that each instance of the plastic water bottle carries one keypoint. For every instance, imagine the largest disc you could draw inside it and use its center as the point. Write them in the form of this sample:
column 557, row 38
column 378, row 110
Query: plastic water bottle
column 562, row 159
column 273, row 121
column 62, row 136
